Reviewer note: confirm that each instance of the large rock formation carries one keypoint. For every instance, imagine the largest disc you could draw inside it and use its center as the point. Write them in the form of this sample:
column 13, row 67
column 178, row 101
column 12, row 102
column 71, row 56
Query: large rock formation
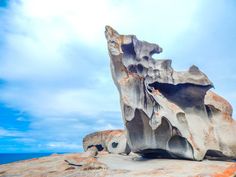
column 168, row 113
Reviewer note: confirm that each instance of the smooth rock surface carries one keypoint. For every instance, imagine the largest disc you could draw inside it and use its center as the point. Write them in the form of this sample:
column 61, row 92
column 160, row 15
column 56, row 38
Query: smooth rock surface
column 114, row 165
column 166, row 112
column 112, row 141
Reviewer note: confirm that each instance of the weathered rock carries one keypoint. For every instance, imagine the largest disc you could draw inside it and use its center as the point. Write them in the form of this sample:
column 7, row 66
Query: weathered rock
column 113, row 141
column 84, row 162
column 92, row 151
column 168, row 113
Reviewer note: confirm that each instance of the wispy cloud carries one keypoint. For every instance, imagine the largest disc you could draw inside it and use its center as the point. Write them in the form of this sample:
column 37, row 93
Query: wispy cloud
column 62, row 145
column 10, row 133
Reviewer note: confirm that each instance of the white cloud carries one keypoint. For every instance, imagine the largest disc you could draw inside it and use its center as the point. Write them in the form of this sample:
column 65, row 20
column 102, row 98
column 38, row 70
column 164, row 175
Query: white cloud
column 21, row 119
column 63, row 145
column 25, row 140
column 60, row 20
column 63, row 102
column 10, row 133
column 44, row 58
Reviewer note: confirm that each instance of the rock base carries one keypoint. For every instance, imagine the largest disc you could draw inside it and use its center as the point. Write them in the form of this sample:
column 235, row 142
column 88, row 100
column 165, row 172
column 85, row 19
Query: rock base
column 114, row 165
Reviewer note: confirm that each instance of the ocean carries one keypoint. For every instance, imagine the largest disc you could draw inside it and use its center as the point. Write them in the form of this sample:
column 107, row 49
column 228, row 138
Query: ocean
column 13, row 157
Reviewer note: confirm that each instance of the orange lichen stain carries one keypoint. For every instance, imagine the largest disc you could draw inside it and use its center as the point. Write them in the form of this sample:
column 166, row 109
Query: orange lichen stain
column 157, row 93
column 124, row 80
column 123, row 39
column 109, row 134
column 192, row 142
column 227, row 117
column 104, row 135
column 132, row 75
column 103, row 153
column 113, row 134
column 223, row 104
column 123, row 69
column 82, row 160
column 174, row 107
column 130, row 78
column 228, row 172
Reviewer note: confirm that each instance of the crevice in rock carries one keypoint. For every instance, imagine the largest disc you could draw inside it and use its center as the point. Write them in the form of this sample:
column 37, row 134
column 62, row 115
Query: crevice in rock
column 98, row 146
column 217, row 155
column 128, row 49
column 132, row 69
column 184, row 95
column 114, row 144
column 211, row 110
column 156, row 153
column 175, row 131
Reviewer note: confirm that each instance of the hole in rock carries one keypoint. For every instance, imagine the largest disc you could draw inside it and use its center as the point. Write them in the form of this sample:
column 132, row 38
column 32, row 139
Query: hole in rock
column 211, row 110
column 136, row 127
column 180, row 147
column 214, row 153
column 132, row 69
column 114, row 144
column 145, row 57
column 140, row 68
column 163, row 133
column 156, row 153
column 128, row 49
column 98, row 146
column 217, row 155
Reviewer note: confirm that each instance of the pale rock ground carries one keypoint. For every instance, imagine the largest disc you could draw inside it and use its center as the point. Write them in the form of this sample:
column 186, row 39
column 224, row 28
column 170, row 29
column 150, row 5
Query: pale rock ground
column 114, row 165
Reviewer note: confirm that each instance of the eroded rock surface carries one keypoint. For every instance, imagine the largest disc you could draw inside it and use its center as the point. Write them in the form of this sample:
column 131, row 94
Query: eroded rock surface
column 166, row 112
column 114, row 165
column 112, row 141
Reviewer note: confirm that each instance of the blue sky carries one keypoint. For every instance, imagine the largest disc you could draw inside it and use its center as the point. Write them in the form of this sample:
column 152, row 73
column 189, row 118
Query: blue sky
column 55, row 82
